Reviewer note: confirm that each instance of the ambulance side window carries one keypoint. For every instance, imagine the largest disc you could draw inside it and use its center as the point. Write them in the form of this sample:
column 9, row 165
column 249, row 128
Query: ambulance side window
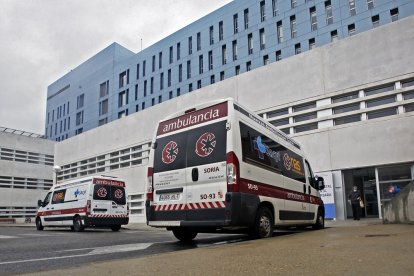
column 47, row 199
column 309, row 175
column 58, row 196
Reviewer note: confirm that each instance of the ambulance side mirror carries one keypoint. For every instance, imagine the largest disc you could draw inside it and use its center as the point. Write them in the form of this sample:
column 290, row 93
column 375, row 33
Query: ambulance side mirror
column 320, row 183
column 39, row 203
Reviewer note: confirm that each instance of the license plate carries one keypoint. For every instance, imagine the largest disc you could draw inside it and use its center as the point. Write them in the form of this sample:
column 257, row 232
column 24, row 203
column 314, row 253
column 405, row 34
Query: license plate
column 166, row 197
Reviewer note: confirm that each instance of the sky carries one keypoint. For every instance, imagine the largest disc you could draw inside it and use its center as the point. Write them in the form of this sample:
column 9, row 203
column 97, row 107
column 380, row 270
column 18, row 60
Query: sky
column 42, row 40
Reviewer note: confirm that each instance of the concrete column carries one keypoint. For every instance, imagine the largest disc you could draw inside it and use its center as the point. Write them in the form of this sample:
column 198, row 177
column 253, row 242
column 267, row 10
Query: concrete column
column 378, row 194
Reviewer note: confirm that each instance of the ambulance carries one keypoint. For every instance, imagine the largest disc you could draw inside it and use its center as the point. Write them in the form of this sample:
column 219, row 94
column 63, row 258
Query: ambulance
column 95, row 201
column 219, row 167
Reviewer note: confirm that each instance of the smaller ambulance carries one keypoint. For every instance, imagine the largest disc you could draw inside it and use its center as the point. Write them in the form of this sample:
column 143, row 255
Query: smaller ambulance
column 94, row 201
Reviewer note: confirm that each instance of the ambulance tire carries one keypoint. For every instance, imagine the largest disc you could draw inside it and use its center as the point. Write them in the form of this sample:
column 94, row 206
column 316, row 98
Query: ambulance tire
column 39, row 225
column 115, row 228
column 263, row 225
column 320, row 221
column 77, row 224
column 184, row 235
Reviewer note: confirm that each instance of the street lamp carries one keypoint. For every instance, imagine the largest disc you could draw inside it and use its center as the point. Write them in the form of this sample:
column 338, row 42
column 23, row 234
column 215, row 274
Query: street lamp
column 56, row 170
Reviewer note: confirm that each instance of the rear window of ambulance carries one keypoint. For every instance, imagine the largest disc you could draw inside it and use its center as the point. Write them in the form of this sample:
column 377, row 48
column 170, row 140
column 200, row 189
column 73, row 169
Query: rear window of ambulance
column 195, row 147
column 112, row 193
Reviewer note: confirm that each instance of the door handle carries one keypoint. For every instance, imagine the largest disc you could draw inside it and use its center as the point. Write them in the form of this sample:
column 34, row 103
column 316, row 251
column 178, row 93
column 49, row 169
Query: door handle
column 304, row 188
column 194, row 174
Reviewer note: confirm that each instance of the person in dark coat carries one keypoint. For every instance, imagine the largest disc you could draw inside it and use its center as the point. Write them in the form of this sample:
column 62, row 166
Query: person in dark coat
column 355, row 197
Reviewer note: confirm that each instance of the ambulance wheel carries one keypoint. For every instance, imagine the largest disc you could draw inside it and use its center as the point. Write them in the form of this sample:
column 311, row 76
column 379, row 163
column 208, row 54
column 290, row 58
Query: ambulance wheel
column 263, row 225
column 72, row 228
column 184, row 235
column 115, row 228
column 320, row 221
column 39, row 225
column 77, row 224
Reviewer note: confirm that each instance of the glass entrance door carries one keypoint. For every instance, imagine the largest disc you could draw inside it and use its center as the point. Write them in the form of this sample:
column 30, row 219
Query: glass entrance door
column 369, row 195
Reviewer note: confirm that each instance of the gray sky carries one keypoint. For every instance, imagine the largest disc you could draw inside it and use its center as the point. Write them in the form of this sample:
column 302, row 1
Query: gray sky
column 41, row 40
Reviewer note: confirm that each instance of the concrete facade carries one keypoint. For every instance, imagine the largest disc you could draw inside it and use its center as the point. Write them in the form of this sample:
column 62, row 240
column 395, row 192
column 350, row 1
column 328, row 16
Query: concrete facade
column 318, row 77
column 26, row 174
column 213, row 48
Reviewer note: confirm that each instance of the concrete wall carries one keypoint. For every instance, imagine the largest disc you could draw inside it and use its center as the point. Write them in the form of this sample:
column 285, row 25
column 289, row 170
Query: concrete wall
column 401, row 208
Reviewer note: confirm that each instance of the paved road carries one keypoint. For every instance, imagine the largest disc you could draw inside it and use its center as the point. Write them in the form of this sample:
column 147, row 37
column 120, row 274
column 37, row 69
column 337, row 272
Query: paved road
column 23, row 249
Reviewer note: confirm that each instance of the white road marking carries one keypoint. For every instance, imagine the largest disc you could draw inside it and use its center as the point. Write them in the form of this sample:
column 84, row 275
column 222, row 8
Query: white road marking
column 96, row 251
column 8, row 237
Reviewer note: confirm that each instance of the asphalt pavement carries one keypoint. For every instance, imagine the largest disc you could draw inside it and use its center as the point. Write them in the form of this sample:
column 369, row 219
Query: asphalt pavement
column 365, row 247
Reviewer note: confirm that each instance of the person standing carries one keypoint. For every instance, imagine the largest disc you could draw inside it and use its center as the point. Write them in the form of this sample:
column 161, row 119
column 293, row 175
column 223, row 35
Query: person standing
column 354, row 197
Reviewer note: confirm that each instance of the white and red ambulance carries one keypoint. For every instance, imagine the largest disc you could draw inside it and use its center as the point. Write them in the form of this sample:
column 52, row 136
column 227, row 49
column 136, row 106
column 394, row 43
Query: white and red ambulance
column 220, row 167
column 95, row 201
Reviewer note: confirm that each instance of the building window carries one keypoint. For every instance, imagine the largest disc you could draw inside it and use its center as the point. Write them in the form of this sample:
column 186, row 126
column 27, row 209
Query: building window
column 380, row 101
column 313, row 20
column 136, row 91
column 262, row 11
column 250, row 44
column 394, row 14
column 347, row 120
column 346, row 108
column 169, row 77
column 123, row 79
column 246, row 19
column 352, row 10
column 346, row 97
column 190, row 45
column 122, row 99
column 234, row 46
column 265, row 59
column 278, row 55
column 262, row 39
column 237, row 70
column 143, row 68
column 280, row 122
column 312, row 43
column 307, row 127
column 142, row 105
column 152, row 101
column 190, row 87
column 153, row 63
column 409, row 108
column 80, row 101
column 79, row 119
column 293, row 26
column 170, row 95
column 159, row 60
column 180, row 73
column 248, row 66
column 235, row 23
column 305, row 117
column 381, row 113
column 375, row 21
column 161, row 81
column 279, row 28
column 103, row 121
column 334, row 36
column 103, row 89
column 210, row 60
column 298, row 49
column 212, row 79
column 221, row 75
column 188, row 69
column 370, row 4
column 200, row 64
column 274, row 7
column 122, row 114
column 351, row 29
column 137, row 71
column 178, row 92
column 145, row 88
column 171, row 56
column 152, row 86
column 211, row 35
column 223, row 54
column 198, row 41
column 328, row 12
column 78, row 131
column 379, row 89
column 103, row 107
column 221, row 35
column 278, row 113
column 404, row 84
column 198, row 84
column 159, row 99
column 178, row 51
column 303, row 107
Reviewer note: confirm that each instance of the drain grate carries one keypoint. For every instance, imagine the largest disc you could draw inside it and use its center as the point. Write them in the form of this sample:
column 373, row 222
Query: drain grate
column 377, row 235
